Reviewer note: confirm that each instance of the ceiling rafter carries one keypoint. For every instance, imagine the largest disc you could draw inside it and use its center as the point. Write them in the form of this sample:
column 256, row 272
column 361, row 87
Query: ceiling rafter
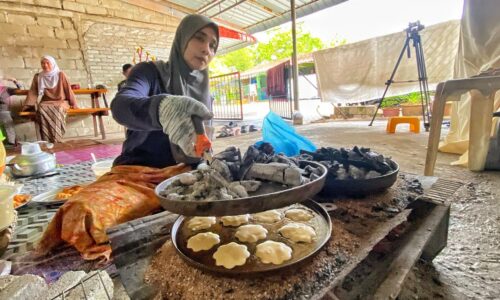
column 209, row 6
column 283, row 13
column 263, row 7
column 228, row 8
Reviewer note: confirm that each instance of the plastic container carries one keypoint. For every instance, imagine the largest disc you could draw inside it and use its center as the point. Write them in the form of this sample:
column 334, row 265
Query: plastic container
column 102, row 167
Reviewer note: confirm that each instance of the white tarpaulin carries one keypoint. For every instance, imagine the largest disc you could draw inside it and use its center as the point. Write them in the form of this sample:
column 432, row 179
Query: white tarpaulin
column 479, row 51
column 357, row 72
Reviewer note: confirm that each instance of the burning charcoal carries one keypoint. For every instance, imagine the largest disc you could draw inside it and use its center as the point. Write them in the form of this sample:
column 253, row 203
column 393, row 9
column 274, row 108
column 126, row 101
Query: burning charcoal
column 203, row 167
column 187, row 179
column 223, row 195
column 372, row 174
column 313, row 170
column 222, row 168
column 342, row 174
column 293, row 177
column 176, row 182
column 306, row 157
column 276, row 172
column 356, row 173
column 281, row 158
column 175, row 197
column 238, row 189
column 313, row 176
column 199, row 189
column 250, row 185
column 216, row 180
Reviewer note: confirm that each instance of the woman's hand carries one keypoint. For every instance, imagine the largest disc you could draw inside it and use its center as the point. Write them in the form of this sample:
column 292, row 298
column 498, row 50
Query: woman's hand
column 176, row 117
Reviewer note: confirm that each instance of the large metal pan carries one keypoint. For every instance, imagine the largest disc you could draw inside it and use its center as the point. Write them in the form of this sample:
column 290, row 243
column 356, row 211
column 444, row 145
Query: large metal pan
column 360, row 187
column 269, row 196
column 301, row 251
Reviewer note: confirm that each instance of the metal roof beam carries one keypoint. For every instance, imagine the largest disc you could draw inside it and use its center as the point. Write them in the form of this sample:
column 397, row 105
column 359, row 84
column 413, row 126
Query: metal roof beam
column 263, row 7
column 208, row 6
column 228, row 8
column 303, row 10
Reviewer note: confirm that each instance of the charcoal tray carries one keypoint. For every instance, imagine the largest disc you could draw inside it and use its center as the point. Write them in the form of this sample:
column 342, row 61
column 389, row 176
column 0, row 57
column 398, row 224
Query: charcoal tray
column 269, row 196
column 360, row 187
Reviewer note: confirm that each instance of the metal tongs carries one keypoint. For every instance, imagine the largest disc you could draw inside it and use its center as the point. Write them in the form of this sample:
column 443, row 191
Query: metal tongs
column 199, row 128
column 208, row 156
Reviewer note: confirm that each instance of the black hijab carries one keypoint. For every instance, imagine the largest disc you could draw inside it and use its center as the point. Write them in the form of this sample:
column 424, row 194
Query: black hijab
column 176, row 76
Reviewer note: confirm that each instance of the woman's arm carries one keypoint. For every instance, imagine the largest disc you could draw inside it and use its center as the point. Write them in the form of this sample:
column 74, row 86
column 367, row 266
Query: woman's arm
column 32, row 96
column 68, row 92
column 132, row 105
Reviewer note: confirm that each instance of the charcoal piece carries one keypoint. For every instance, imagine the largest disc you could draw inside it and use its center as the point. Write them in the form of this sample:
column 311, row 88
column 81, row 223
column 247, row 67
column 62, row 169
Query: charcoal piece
column 267, row 148
column 276, row 172
column 251, row 185
column 238, row 189
column 231, row 154
column 223, row 169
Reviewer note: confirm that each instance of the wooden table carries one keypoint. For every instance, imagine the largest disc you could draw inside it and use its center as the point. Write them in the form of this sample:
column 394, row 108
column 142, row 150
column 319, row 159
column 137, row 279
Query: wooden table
column 96, row 110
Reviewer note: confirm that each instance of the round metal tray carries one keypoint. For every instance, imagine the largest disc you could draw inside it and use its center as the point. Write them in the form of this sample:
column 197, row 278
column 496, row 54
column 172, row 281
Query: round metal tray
column 269, row 196
column 301, row 251
column 360, row 187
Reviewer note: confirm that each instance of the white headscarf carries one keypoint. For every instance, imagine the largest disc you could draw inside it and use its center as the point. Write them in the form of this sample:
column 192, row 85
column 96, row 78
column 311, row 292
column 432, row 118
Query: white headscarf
column 48, row 79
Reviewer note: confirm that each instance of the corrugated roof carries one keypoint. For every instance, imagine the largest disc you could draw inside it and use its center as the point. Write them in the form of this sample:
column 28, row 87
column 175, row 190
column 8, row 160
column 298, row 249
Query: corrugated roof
column 248, row 16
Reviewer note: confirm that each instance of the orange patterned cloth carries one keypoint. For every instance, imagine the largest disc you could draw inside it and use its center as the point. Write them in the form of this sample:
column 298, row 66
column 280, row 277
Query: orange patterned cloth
column 123, row 194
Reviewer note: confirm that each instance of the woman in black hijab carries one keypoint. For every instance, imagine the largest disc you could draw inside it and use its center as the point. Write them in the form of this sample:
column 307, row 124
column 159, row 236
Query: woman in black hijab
column 160, row 98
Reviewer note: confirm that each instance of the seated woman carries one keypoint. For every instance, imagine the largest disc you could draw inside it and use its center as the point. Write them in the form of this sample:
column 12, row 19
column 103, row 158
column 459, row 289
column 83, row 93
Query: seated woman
column 56, row 98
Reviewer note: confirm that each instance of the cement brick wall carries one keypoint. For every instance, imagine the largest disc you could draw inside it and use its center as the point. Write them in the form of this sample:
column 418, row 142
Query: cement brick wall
column 90, row 39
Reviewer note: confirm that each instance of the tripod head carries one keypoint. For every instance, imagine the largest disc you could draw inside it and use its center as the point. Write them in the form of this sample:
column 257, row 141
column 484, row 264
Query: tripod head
column 413, row 29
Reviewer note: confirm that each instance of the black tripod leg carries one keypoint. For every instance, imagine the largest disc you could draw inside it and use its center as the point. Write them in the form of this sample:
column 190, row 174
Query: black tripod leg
column 388, row 83
column 422, row 79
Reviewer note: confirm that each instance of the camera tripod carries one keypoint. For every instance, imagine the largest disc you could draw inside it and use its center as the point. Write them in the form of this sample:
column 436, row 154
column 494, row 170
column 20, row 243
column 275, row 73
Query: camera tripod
column 412, row 34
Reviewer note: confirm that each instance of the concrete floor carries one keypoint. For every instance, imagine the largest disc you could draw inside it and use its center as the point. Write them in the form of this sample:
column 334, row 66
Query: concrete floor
column 469, row 267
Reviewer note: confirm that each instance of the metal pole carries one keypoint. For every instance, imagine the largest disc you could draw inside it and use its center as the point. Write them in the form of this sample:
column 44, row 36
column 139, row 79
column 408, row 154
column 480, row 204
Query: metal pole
column 295, row 65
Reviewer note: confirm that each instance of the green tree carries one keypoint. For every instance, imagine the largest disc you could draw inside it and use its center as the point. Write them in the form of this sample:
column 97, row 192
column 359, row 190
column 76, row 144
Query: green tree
column 278, row 47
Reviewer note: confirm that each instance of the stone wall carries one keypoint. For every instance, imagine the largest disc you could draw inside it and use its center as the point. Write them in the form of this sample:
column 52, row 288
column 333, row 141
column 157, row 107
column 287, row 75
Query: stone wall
column 90, row 39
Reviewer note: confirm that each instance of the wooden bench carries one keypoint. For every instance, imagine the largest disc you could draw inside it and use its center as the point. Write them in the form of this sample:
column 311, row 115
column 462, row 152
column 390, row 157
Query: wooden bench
column 96, row 111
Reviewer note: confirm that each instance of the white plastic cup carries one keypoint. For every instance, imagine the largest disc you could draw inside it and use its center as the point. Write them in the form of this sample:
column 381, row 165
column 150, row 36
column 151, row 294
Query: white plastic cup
column 102, row 167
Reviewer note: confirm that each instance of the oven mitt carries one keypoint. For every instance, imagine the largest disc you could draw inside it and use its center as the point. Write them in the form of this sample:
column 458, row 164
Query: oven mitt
column 175, row 115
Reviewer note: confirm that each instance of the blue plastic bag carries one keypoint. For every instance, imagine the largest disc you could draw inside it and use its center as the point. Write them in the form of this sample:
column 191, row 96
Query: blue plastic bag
column 283, row 136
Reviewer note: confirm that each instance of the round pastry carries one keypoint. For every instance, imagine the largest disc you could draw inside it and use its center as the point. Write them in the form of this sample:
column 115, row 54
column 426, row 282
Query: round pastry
column 234, row 220
column 269, row 216
column 250, row 233
column 299, row 214
column 198, row 223
column 271, row 252
column 298, row 232
column 231, row 255
column 203, row 241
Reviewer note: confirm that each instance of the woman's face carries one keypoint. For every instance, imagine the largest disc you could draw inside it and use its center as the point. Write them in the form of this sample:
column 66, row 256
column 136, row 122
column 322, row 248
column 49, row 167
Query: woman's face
column 46, row 66
column 200, row 49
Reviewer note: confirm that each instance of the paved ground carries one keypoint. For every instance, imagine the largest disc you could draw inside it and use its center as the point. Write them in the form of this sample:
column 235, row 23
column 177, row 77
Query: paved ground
column 469, row 268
